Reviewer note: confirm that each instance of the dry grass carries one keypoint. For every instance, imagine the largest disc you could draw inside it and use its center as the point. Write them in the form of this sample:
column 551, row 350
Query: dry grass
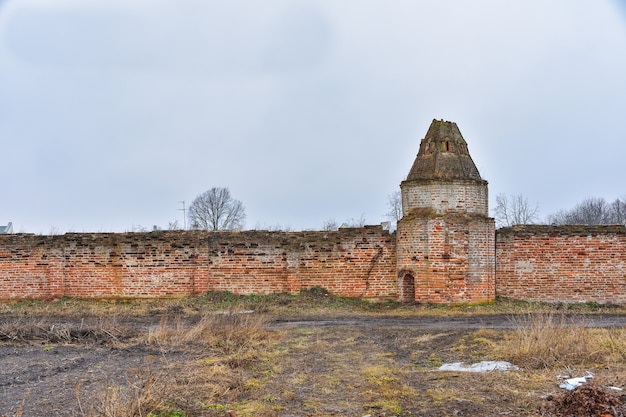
column 613, row 341
column 234, row 362
column 551, row 340
column 226, row 331
column 225, row 349
column 47, row 329
column 139, row 397
column 180, row 389
column 314, row 301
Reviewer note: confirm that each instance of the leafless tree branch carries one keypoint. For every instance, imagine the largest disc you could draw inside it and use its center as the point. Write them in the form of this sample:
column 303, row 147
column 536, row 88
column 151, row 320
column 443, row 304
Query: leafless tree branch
column 514, row 210
column 215, row 209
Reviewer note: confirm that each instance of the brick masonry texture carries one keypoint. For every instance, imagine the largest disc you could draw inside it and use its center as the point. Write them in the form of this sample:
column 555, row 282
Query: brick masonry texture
column 533, row 263
column 562, row 263
column 450, row 258
column 447, row 197
column 356, row 262
column 446, row 237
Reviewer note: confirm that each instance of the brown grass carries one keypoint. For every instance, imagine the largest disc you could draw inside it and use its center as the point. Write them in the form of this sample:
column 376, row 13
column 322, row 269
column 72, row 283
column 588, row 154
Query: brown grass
column 314, row 301
column 225, row 348
column 142, row 395
column 549, row 340
column 613, row 341
column 234, row 362
column 554, row 340
column 234, row 338
column 49, row 330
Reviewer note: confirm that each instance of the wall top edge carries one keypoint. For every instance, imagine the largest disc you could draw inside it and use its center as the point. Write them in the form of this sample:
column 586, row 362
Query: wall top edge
column 566, row 230
column 431, row 214
column 346, row 232
column 443, row 181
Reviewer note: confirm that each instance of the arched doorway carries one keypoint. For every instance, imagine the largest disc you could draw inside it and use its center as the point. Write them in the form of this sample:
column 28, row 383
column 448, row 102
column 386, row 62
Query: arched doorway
column 406, row 287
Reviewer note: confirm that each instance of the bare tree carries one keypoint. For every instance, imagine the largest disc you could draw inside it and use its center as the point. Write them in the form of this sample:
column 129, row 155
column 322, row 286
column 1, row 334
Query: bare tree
column 514, row 210
column 330, row 225
column 618, row 211
column 592, row 211
column 354, row 223
column 54, row 231
column 173, row 225
column 394, row 203
column 139, row 228
column 273, row 228
column 215, row 209
column 560, row 217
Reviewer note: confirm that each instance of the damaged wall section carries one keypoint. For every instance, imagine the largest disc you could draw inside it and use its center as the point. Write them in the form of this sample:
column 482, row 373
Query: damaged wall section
column 357, row 262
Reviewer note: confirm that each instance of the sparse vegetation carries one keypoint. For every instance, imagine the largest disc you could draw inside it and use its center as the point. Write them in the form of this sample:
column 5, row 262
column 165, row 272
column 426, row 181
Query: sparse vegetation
column 212, row 355
column 228, row 352
column 312, row 301
column 549, row 340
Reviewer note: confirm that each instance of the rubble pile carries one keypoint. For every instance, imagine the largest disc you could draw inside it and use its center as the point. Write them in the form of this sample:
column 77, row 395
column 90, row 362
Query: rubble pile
column 586, row 400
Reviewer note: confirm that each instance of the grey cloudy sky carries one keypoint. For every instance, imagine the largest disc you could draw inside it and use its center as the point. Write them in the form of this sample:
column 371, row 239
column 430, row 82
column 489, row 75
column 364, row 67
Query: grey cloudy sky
column 112, row 112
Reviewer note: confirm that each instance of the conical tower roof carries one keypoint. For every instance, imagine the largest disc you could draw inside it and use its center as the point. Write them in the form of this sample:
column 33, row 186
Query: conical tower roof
column 443, row 155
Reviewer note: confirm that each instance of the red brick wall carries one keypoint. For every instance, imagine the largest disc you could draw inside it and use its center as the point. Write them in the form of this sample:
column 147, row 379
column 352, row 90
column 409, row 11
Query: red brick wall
column 534, row 263
column 349, row 262
column 562, row 263
column 451, row 258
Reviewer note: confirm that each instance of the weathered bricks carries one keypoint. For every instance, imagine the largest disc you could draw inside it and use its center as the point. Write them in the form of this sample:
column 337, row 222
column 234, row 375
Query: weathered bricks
column 445, row 245
column 450, row 258
column 562, row 263
column 349, row 262
column 534, row 263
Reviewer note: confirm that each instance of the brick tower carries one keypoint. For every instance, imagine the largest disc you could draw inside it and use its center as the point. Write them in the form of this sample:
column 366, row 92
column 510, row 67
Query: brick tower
column 446, row 239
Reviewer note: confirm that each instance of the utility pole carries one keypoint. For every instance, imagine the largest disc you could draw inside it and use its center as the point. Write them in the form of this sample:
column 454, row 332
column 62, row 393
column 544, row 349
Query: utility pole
column 184, row 210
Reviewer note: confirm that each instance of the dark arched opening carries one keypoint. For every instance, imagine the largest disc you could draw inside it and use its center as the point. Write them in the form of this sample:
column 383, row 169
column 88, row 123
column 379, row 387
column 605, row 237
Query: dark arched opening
column 406, row 287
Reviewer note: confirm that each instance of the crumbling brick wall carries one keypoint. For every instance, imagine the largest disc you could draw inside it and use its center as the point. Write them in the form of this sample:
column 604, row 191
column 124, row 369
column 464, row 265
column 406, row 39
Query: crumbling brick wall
column 356, row 262
column 562, row 263
column 451, row 258
column 534, row 263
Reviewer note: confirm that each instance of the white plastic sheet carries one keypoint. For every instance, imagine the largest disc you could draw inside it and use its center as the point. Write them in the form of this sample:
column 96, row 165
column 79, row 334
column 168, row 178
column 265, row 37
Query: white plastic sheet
column 484, row 366
column 571, row 383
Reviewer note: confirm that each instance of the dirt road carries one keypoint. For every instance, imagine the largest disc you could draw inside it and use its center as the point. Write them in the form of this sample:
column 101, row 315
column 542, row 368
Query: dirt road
column 495, row 321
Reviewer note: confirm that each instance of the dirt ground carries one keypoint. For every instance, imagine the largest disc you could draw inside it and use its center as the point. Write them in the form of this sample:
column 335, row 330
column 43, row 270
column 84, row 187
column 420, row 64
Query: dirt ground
column 330, row 366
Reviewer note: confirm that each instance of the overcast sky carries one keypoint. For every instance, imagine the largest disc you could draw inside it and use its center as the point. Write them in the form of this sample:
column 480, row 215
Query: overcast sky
column 112, row 112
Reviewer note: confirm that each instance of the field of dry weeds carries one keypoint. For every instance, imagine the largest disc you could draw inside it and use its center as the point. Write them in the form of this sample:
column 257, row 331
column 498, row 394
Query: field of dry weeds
column 310, row 355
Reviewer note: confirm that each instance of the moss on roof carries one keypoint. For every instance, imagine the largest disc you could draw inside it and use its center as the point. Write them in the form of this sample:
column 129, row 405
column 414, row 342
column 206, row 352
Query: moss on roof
column 443, row 155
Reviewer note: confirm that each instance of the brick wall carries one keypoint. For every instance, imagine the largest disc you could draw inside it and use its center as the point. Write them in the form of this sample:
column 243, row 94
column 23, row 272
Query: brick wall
column 349, row 262
column 456, row 196
column 451, row 258
column 562, row 263
column 534, row 263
